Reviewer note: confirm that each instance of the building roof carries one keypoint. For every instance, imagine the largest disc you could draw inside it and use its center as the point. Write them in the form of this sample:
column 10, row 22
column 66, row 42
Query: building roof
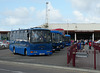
column 76, row 26
column 4, row 31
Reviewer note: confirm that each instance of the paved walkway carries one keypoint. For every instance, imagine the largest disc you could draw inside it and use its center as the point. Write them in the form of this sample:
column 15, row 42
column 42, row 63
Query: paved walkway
column 87, row 62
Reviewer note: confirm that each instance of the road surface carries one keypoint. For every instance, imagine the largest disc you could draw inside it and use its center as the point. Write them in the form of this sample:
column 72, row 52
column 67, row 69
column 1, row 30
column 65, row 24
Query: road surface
column 14, row 67
column 59, row 58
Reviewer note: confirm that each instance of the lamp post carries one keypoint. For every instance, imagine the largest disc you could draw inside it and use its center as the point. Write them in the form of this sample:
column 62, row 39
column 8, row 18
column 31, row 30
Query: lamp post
column 75, row 32
column 67, row 26
column 47, row 13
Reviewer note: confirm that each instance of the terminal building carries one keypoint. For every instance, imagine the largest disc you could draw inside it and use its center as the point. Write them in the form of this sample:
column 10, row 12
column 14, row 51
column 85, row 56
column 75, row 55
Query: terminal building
column 90, row 31
column 4, row 35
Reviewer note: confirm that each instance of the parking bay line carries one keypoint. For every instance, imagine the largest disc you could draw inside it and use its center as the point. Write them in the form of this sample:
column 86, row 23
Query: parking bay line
column 51, row 66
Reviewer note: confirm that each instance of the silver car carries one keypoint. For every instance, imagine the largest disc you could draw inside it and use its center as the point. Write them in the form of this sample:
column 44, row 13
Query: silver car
column 3, row 45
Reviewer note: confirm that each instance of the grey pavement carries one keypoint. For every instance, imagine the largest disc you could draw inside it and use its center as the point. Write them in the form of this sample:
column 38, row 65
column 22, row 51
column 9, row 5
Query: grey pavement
column 88, row 62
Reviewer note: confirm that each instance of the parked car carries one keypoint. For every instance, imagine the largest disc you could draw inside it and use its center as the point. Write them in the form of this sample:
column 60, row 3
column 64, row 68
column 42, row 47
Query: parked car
column 3, row 45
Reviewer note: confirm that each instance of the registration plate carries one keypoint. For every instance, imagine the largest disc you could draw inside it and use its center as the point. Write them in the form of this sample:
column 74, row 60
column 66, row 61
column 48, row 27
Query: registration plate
column 41, row 53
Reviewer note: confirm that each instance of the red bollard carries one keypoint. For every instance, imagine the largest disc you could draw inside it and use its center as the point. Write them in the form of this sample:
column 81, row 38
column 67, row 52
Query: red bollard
column 67, row 57
column 94, row 58
column 68, row 54
column 74, row 53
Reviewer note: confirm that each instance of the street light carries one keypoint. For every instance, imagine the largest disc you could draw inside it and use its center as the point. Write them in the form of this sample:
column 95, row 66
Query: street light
column 67, row 26
column 47, row 13
column 75, row 32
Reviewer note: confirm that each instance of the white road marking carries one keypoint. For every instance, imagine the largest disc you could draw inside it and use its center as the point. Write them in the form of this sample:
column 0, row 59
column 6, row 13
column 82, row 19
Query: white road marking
column 11, row 71
column 50, row 66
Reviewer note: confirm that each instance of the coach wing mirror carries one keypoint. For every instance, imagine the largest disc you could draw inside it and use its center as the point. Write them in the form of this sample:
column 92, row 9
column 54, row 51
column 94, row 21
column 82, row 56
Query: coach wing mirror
column 28, row 37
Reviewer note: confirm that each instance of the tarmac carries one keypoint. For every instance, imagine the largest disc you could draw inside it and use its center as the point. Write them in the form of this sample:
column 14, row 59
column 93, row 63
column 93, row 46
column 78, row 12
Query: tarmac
column 69, row 69
column 58, row 59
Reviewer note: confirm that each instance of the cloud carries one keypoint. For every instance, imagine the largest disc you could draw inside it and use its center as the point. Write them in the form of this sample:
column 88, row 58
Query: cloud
column 18, row 16
column 32, row 9
column 80, row 17
column 86, row 19
column 85, row 5
column 54, row 15
column 12, row 20
column 31, row 15
column 25, row 17
column 17, row 13
column 86, row 10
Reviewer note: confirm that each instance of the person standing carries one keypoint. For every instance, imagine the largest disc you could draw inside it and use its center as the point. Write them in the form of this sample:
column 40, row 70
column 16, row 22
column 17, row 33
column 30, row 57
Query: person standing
column 79, row 45
column 90, row 45
column 82, row 42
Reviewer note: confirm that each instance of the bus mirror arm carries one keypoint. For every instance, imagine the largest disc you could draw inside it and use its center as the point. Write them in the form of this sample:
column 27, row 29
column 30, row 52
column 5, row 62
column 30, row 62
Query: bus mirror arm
column 28, row 37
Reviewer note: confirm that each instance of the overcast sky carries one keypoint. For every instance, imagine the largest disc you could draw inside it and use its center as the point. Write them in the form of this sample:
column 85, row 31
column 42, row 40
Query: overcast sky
column 15, row 14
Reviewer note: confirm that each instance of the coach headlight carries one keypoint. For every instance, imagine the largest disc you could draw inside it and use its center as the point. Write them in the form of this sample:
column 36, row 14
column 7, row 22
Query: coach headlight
column 57, row 46
column 60, row 45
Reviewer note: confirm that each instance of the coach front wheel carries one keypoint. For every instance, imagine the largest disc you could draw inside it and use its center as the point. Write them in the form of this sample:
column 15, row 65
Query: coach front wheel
column 25, row 52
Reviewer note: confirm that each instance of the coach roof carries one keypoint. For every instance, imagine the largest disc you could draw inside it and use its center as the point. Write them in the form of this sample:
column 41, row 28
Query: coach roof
column 39, row 29
column 54, row 31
